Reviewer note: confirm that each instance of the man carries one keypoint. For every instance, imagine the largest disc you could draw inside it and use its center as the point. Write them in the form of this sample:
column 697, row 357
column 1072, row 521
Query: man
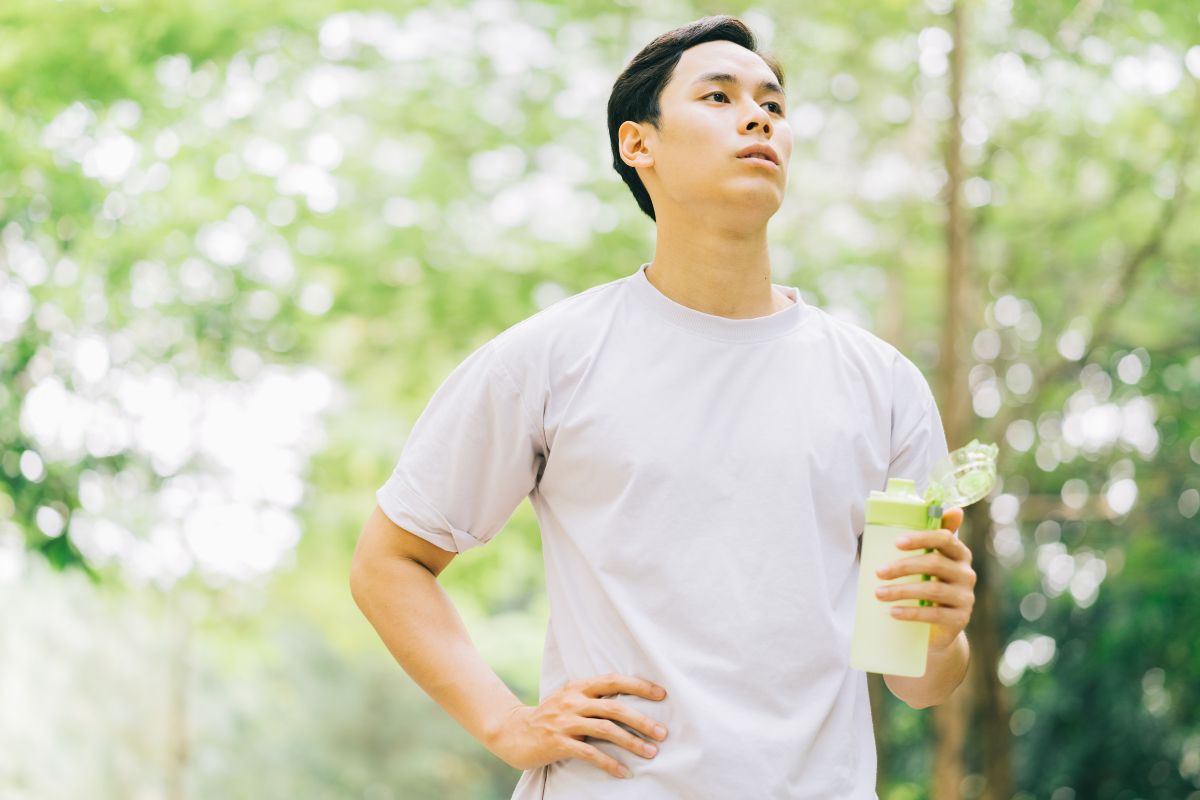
column 698, row 444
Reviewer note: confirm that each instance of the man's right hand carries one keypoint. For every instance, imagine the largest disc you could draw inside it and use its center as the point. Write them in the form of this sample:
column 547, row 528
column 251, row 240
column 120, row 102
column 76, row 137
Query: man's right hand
column 533, row 736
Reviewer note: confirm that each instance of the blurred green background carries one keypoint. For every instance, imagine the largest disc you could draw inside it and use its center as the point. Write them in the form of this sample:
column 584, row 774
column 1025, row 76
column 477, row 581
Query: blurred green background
column 241, row 243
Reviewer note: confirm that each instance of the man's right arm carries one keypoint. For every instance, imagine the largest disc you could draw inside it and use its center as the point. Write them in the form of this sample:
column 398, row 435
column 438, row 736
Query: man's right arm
column 393, row 579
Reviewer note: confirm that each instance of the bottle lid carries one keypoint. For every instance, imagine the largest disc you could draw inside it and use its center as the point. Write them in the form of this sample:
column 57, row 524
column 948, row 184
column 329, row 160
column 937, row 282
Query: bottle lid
column 965, row 476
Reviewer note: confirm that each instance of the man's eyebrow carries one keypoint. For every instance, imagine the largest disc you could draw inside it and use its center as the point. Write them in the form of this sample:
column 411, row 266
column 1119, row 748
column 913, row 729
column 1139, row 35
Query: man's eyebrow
column 725, row 77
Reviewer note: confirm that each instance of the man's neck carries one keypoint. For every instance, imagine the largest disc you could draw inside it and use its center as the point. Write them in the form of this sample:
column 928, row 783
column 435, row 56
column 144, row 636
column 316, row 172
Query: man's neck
column 721, row 272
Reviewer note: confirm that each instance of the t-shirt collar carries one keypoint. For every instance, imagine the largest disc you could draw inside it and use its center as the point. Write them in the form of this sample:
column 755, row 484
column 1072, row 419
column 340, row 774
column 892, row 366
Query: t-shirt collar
column 753, row 329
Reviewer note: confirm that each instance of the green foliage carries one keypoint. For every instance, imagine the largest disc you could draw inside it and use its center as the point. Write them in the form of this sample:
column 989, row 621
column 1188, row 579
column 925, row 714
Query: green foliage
column 313, row 218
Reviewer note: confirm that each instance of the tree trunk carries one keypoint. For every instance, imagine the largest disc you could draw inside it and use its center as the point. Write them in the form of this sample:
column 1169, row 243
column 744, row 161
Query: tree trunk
column 890, row 321
column 950, row 718
column 878, row 689
column 991, row 702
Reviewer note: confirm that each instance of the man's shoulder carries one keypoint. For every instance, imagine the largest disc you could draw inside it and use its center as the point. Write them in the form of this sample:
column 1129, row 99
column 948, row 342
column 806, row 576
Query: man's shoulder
column 576, row 317
column 849, row 337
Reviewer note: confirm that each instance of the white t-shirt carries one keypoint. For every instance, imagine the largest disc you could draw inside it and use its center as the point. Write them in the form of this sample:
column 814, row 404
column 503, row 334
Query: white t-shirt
column 701, row 484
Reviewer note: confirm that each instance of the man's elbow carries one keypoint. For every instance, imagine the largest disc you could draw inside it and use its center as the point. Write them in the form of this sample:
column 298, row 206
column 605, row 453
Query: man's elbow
column 915, row 705
column 902, row 693
column 918, row 705
column 923, row 706
column 357, row 583
column 359, row 579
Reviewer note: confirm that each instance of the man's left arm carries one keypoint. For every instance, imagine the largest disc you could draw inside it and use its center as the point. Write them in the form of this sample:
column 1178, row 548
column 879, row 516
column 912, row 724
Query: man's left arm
column 953, row 596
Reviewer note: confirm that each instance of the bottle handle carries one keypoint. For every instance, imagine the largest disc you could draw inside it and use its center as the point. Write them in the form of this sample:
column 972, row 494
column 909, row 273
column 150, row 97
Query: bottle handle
column 933, row 521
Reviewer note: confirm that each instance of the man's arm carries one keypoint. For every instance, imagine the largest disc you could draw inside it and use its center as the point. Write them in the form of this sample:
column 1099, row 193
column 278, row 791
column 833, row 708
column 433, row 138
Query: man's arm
column 393, row 579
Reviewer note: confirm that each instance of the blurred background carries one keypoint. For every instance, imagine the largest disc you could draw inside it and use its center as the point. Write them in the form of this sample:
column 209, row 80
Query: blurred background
column 241, row 243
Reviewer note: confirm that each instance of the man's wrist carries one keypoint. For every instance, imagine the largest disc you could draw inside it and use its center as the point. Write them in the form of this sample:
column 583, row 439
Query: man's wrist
column 494, row 732
column 957, row 652
column 957, row 641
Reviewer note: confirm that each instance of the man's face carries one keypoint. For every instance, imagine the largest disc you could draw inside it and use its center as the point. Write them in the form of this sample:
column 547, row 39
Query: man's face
column 692, row 161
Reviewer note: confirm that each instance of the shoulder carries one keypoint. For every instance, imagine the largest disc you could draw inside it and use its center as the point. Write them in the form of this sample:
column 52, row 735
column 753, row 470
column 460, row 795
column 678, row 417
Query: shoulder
column 878, row 361
column 577, row 318
column 854, row 341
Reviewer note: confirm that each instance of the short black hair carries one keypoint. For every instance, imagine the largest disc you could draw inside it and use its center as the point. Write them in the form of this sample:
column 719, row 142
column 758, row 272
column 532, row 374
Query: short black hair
column 636, row 92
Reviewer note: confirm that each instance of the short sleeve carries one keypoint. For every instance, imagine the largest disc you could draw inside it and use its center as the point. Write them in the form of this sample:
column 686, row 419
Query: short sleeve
column 472, row 455
column 918, row 437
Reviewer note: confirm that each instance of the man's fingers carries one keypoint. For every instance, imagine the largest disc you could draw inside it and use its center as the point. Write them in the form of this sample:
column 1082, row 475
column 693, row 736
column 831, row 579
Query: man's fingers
column 934, row 564
column 607, row 729
column 948, row 595
column 953, row 518
column 948, row 617
column 613, row 709
column 943, row 540
column 613, row 683
column 594, row 755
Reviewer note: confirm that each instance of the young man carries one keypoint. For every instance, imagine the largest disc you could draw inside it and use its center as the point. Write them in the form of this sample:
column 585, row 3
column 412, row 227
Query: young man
column 698, row 444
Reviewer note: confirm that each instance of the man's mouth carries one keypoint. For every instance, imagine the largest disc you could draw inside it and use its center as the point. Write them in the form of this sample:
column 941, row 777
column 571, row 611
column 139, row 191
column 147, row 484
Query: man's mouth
column 756, row 157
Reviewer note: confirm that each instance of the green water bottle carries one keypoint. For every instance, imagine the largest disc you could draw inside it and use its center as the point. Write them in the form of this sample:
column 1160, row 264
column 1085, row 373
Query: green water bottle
column 881, row 643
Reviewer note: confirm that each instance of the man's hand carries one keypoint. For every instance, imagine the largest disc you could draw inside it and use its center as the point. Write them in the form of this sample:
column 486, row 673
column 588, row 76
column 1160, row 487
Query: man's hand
column 953, row 593
column 531, row 737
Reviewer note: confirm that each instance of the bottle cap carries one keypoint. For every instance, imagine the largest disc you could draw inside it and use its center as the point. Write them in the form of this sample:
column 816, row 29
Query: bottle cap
column 965, row 476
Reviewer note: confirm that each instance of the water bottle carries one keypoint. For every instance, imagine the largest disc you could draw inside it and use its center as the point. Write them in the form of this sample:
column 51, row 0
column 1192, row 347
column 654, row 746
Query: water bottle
column 881, row 643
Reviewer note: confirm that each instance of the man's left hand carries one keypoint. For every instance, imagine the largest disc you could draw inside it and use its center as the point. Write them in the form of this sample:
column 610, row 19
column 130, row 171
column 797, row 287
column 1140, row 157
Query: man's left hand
column 953, row 593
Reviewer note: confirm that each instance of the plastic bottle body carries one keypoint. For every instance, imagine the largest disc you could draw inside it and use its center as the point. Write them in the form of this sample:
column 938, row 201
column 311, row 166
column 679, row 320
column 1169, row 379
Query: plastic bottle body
column 881, row 643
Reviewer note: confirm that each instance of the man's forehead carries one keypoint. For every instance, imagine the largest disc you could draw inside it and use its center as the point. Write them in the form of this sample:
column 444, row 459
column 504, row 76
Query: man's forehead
column 721, row 57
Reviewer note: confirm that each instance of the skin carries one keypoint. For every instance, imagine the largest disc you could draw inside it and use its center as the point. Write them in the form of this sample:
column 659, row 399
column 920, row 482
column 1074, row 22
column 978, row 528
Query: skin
column 394, row 581
column 712, row 208
column 556, row 728
column 953, row 592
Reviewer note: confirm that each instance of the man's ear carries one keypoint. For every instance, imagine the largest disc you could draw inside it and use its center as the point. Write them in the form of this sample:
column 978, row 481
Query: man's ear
column 632, row 145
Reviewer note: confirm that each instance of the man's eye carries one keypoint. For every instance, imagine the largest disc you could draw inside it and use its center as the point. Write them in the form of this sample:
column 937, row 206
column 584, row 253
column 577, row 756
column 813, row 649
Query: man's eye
column 778, row 107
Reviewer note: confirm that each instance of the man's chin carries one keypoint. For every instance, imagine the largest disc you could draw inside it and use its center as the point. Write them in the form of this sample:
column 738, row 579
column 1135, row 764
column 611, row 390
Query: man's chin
column 745, row 207
column 757, row 203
